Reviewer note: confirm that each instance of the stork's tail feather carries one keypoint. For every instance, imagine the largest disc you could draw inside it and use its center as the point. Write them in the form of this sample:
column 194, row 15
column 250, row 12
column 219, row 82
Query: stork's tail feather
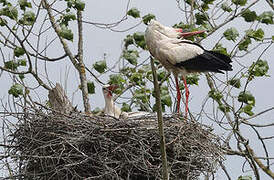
column 209, row 61
column 220, row 61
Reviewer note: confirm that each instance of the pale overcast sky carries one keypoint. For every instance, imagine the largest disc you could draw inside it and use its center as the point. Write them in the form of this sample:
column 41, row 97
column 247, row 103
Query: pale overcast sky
column 99, row 41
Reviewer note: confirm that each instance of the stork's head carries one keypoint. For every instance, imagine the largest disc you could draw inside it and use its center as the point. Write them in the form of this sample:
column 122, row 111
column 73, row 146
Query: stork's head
column 169, row 31
column 108, row 90
column 164, row 30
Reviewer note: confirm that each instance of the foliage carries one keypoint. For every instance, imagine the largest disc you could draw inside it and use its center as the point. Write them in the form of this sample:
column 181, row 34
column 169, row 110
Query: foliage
column 24, row 4
column 131, row 56
column 231, row 34
column 245, row 178
column 235, row 82
column 91, row 87
column 16, row 90
column 147, row 18
column 66, row 33
column 100, row 66
column 258, row 68
column 249, row 16
column 28, row 18
column 134, row 12
column 247, row 98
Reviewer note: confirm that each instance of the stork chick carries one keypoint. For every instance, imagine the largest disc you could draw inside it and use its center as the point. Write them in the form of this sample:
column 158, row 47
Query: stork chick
column 110, row 108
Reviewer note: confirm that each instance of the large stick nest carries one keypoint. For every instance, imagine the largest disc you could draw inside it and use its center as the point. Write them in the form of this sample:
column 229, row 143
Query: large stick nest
column 56, row 146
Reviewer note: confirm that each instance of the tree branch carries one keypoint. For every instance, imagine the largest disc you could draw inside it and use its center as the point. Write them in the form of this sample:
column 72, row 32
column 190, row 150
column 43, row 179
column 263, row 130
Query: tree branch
column 79, row 66
column 160, row 121
column 81, row 69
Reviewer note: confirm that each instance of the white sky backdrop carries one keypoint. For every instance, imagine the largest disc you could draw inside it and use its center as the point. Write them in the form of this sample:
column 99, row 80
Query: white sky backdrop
column 99, row 41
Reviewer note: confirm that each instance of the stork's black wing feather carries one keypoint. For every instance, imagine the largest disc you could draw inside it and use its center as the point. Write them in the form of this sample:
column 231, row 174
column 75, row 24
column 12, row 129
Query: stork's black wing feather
column 208, row 61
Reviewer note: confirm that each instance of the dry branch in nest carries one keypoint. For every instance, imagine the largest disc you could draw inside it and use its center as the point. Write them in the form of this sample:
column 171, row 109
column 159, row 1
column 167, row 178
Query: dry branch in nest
column 53, row 145
column 56, row 146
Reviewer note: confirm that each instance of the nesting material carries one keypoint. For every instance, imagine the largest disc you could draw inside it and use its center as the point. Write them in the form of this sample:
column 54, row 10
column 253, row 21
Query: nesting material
column 56, row 146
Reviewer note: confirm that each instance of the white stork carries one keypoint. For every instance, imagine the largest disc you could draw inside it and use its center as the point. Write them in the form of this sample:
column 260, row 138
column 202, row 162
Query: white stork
column 182, row 56
column 112, row 110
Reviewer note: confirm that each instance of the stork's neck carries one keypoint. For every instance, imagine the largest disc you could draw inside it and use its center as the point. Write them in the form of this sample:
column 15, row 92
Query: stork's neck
column 109, row 103
column 152, row 38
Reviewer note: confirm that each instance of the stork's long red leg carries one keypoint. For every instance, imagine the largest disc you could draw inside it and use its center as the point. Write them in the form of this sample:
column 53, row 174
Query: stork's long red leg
column 187, row 95
column 178, row 94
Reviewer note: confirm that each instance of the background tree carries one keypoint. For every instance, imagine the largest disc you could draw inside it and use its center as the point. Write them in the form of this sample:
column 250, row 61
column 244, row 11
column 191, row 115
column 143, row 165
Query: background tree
column 32, row 30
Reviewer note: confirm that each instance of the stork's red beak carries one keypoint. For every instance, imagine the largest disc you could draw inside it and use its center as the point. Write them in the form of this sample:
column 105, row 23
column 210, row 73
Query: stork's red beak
column 188, row 34
column 112, row 87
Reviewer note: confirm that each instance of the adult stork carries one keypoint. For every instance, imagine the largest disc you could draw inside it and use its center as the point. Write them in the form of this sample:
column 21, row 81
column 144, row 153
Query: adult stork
column 182, row 56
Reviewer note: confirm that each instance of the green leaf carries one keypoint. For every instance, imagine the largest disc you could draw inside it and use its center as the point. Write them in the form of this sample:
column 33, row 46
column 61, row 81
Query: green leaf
column 216, row 95
column 136, row 78
column 118, row 80
column 128, row 40
column 224, row 108
column 259, row 68
column 246, row 97
column 247, row 109
column 257, row 35
column 24, row 3
column 266, row 17
column 66, row 33
column 4, row 2
column 16, row 90
column 18, row 51
column 245, row 178
column 249, row 16
column 208, row 1
column 3, row 22
column 192, row 79
column 231, row 34
column 126, row 107
column 166, row 100
column 147, row 18
column 139, row 38
column 134, row 12
column 200, row 18
column 272, row 38
column 235, row 82
column 244, row 44
column 142, row 94
column 28, row 18
column 100, row 66
column 79, row 5
column 21, row 76
column 226, row 7
column 239, row 2
column 131, row 56
column 91, row 87
column 22, row 62
column 68, row 17
column 219, row 48
column 12, row 65
column 161, row 74
column 10, row 12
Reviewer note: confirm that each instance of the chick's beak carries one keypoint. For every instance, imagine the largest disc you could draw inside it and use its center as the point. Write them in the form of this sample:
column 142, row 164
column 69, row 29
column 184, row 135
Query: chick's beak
column 112, row 87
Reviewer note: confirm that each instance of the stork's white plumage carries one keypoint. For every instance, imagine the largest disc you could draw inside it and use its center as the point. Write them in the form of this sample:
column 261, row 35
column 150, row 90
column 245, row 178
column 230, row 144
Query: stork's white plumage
column 110, row 108
column 182, row 56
